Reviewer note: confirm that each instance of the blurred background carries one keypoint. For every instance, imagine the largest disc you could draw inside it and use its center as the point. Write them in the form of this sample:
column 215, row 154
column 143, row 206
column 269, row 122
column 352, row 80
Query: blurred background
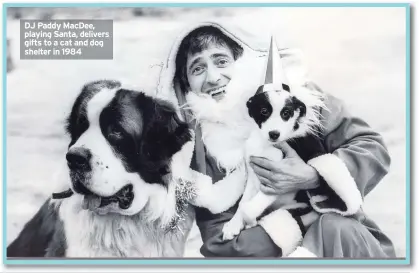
column 357, row 54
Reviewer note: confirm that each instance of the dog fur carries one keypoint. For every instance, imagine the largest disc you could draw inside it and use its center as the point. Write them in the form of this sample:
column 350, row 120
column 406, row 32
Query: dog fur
column 116, row 140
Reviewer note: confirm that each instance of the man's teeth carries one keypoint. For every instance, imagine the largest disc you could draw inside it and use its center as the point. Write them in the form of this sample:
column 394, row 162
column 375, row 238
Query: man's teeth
column 217, row 91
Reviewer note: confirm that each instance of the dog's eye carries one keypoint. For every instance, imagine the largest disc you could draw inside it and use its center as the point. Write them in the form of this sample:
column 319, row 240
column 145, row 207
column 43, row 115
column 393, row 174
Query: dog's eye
column 115, row 135
column 264, row 111
column 286, row 114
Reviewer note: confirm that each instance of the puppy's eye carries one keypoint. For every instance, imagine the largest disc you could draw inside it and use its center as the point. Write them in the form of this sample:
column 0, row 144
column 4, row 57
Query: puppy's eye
column 286, row 114
column 264, row 111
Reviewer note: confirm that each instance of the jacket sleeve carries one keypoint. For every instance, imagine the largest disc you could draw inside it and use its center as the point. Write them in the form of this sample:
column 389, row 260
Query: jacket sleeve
column 355, row 161
column 252, row 242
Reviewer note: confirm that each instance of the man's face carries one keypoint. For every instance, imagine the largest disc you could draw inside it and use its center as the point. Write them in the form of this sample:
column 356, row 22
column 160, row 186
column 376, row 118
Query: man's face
column 210, row 70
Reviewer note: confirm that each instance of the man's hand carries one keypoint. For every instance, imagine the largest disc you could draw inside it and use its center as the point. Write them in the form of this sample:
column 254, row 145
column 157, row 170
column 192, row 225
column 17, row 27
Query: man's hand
column 289, row 174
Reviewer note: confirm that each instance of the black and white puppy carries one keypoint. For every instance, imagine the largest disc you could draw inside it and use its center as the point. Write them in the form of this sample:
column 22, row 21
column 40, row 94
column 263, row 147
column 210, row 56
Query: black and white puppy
column 232, row 132
column 125, row 157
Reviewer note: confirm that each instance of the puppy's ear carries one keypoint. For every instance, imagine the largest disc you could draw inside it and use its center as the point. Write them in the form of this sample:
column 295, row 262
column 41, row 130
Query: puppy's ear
column 259, row 90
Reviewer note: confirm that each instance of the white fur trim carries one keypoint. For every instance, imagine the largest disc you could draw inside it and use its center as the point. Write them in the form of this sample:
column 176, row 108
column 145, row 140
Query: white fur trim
column 292, row 58
column 338, row 177
column 302, row 252
column 283, row 230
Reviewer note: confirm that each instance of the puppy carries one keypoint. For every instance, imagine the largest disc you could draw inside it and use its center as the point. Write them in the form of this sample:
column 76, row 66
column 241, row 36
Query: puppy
column 272, row 115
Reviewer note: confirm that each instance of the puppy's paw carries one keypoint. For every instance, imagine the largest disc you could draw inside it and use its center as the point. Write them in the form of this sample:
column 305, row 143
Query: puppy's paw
column 232, row 228
column 202, row 188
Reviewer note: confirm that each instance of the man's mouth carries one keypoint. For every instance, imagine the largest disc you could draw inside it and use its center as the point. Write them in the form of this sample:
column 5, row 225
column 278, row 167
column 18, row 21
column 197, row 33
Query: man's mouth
column 218, row 92
column 92, row 201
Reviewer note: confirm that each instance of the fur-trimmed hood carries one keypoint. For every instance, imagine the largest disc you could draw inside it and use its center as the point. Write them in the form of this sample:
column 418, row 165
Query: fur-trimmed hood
column 255, row 50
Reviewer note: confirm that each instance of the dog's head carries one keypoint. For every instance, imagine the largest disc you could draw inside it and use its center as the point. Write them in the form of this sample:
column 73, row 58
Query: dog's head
column 279, row 114
column 122, row 143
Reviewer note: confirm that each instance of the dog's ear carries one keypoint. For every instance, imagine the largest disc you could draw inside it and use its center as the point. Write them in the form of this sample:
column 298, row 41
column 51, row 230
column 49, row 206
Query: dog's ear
column 166, row 112
column 259, row 90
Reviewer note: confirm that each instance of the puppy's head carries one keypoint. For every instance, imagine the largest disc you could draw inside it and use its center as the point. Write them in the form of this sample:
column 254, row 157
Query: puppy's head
column 122, row 143
column 279, row 115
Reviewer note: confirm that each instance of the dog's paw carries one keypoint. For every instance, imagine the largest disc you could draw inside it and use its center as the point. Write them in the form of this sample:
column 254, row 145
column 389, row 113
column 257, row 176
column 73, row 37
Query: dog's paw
column 232, row 229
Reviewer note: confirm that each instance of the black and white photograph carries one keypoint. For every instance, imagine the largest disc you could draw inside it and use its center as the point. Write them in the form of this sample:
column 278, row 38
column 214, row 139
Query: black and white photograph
column 207, row 132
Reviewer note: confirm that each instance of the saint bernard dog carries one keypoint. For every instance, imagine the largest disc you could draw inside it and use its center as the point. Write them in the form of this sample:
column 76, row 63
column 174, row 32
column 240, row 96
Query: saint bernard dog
column 126, row 198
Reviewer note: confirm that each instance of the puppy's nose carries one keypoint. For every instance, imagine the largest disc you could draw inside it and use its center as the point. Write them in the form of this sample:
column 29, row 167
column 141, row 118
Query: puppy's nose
column 274, row 135
column 78, row 157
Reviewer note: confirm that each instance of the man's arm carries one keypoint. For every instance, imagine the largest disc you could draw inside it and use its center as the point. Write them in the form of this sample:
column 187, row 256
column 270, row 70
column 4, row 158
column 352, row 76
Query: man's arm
column 356, row 161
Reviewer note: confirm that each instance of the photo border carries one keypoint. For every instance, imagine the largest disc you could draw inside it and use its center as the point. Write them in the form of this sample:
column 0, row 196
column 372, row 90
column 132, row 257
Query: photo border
column 210, row 261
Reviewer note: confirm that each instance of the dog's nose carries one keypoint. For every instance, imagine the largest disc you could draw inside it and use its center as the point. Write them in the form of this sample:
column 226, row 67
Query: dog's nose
column 274, row 135
column 78, row 157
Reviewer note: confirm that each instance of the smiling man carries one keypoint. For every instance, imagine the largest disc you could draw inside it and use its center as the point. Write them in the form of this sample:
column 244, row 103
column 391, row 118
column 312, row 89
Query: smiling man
column 205, row 60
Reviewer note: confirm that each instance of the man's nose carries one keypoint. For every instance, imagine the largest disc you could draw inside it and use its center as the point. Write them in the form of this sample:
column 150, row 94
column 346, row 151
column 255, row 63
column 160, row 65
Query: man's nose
column 213, row 75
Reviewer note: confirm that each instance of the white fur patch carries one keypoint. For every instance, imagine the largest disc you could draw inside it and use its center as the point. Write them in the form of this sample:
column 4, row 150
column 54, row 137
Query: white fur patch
column 302, row 252
column 114, row 235
column 254, row 207
column 283, row 230
column 338, row 177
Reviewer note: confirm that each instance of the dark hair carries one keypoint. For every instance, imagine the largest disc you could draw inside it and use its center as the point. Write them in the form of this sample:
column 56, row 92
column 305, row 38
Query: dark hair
column 197, row 41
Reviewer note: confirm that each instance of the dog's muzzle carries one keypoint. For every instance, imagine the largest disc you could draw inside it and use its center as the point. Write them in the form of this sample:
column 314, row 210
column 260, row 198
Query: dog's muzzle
column 91, row 201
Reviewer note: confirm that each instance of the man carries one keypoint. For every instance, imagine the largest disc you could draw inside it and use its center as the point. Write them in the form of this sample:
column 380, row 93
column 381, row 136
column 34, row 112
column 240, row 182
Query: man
column 203, row 60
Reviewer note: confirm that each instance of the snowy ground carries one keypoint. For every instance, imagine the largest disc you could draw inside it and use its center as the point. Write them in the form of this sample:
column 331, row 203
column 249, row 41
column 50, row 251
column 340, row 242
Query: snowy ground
column 356, row 54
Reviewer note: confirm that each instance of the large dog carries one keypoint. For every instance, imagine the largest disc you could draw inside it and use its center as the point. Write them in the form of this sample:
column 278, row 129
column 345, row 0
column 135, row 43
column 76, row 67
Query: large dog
column 126, row 199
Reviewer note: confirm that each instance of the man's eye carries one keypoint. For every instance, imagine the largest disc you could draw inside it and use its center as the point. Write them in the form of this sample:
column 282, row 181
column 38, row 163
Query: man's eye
column 223, row 62
column 198, row 70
